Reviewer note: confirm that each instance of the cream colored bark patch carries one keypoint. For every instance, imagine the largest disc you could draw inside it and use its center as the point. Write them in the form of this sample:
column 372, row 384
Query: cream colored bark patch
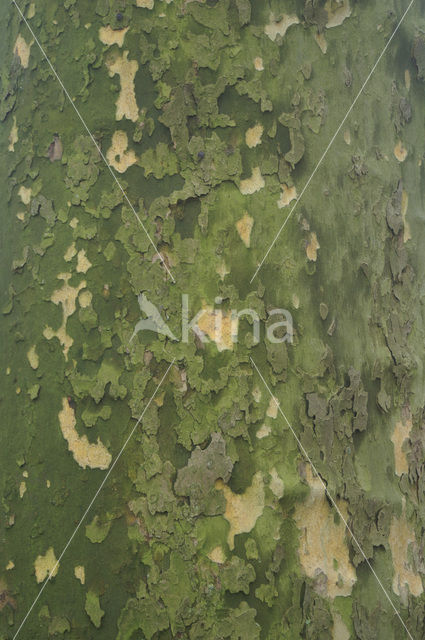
column 243, row 510
column 288, row 194
column 337, row 11
column 312, row 247
column 70, row 253
column 126, row 103
column 13, row 136
column 22, row 49
column 339, row 630
column 145, row 4
column 217, row 555
column 244, row 228
column 273, row 408
column 347, row 136
column 85, row 299
column 83, row 263
column 45, row 565
column 218, row 326
column 400, row 151
column 263, row 431
column 10, row 565
column 80, row 573
column 117, row 155
column 274, row 29
column 407, row 79
column 110, row 36
column 406, row 227
column 253, row 135
column 66, row 296
column 322, row 542
column 258, row 64
column 222, row 270
column 95, row 456
column 400, row 435
column 276, row 484
column 401, row 536
column 25, row 194
column 33, row 358
column 254, row 183
column 22, row 489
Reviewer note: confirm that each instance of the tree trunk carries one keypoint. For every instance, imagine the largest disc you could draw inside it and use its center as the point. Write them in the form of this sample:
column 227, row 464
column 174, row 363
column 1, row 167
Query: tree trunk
column 191, row 480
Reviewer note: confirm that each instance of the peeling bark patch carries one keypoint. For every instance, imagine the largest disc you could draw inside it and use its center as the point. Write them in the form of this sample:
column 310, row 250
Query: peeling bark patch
column 110, row 36
column 243, row 510
column 323, row 548
column 66, row 296
column 312, row 247
column 288, row 194
column 44, row 565
column 275, row 29
column 321, row 41
column 117, row 155
column 126, row 103
column 244, row 228
column 254, row 183
column 22, row 50
column 337, row 12
column 253, row 135
column 55, row 150
column 400, row 151
column 94, row 456
column 400, row 435
column 401, row 536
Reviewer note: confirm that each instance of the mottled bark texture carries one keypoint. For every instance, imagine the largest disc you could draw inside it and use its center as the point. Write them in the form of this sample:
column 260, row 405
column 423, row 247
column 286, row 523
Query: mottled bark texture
column 213, row 116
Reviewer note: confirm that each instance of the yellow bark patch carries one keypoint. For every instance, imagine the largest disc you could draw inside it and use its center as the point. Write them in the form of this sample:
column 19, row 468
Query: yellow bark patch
column 83, row 263
column 86, row 454
column 295, row 301
column 22, row 489
column 80, row 573
column 117, row 155
column 254, row 183
column 244, row 228
column 322, row 542
column 406, row 227
column 70, row 253
column 400, row 151
column 276, row 484
column 45, row 565
column 312, row 247
column 400, row 435
column 25, row 194
column 258, row 64
column 288, row 194
column 22, row 49
column 401, row 536
column 338, row 11
column 339, row 630
column 66, row 296
column 126, row 103
column 218, row 325
column 145, row 4
column 274, row 29
column 33, row 358
column 321, row 41
column 217, row 555
column 10, row 565
column 13, row 136
column 85, row 299
column 253, row 135
column 243, row 510
column 110, row 36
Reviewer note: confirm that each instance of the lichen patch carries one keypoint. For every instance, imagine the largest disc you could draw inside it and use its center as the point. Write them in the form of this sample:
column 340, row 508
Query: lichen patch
column 117, row 155
column 66, row 296
column 110, row 36
column 244, row 228
column 46, row 565
column 254, row 183
column 401, row 536
column 400, row 435
column 288, row 194
column 253, row 135
column 33, row 358
column 86, row 454
column 243, row 510
column 400, row 151
column 22, row 50
column 126, row 103
column 323, row 546
column 274, row 29
column 312, row 247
